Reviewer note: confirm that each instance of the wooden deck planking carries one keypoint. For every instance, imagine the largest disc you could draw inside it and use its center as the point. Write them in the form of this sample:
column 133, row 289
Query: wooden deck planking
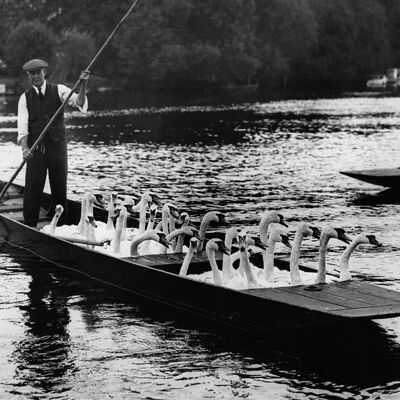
column 294, row 299
column 368, row 288
column 342, row 295
column 371, row 312
column 346, row 301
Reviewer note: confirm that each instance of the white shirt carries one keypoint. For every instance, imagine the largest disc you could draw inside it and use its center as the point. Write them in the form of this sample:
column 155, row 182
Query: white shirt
column 23, row 115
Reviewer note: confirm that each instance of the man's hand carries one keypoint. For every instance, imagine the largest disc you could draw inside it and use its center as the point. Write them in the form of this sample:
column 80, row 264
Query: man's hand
column 26, row 153
column 84, row 75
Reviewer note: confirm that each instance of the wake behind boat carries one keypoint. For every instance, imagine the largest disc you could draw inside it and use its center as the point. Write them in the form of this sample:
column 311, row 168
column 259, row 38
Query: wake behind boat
column 156, row 277
column 387, row 177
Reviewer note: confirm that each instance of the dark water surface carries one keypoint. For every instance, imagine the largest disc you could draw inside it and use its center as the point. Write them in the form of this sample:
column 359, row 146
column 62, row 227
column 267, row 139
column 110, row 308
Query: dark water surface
column 62, row 337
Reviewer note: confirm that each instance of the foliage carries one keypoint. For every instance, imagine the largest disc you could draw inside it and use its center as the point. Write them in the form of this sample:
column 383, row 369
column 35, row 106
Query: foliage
column 28, row 40
column 171, row 44
column 74, row 52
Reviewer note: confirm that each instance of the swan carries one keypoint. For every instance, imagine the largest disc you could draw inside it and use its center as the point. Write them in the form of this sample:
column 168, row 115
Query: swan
column 328, row 233
column 150, row 226
column 188, row 257
column 245, row 266
column 166, row 210
column 51, row 228
column 268, row 218
column 215, row 275
column 303, row 230
column 211, row 216
column 228, row 272
column 184, row 220
column 155, row 235
column 146, row 199
column 118, row 232
column 214, row 245
column 276, row 235
column 345, row 274
column 111, row 212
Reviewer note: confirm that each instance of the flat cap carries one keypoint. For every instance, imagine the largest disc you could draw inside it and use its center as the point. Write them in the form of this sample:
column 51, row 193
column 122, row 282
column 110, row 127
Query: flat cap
column 34, row 64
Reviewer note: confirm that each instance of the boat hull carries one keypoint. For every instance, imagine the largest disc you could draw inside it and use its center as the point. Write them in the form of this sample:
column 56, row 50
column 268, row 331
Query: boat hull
column 156, row 277
column 387, row 177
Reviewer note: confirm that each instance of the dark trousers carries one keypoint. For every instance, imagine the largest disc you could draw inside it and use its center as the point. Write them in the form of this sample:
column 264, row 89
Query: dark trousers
column 51, row 156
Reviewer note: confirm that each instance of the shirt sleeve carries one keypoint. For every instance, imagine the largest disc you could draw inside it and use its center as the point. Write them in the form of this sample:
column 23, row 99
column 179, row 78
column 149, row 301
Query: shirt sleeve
column 63, row 92
column 22, row 119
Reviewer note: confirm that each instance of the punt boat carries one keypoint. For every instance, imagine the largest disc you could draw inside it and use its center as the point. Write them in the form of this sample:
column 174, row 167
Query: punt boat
column 387, row 177
column 156, row 277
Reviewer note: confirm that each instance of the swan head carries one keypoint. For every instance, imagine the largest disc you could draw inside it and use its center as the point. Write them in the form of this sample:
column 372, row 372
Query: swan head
column 59, row 210
column 278, row 235
column 153, row 210
column 162, row 239
column 367, row 239
column 89, row 219
column 151, row 198
column 127, row 199
column 170, row 209
column 215, row 216
column 217, row 245
column 273, row 216
column 254, row 240
column 193, row 243
column 336, row 233
column 100, row 200
column 184, row 217
column 191, row 231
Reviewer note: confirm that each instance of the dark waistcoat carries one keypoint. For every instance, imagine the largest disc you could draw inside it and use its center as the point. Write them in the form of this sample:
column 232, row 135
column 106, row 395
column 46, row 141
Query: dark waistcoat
column 40, row 113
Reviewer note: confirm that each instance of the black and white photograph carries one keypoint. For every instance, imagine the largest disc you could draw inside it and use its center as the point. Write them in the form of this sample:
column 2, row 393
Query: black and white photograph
column 200, row 199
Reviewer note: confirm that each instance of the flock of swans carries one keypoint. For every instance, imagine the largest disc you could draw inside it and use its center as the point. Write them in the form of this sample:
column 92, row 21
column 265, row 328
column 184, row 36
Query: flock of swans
column 115, row 238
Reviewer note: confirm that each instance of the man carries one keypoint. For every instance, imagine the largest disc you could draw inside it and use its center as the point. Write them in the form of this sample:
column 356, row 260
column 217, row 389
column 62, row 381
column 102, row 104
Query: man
column 35, row 109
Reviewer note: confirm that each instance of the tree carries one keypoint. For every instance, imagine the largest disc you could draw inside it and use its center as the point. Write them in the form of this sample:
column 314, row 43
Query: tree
column 28, row 40
column 73, row 53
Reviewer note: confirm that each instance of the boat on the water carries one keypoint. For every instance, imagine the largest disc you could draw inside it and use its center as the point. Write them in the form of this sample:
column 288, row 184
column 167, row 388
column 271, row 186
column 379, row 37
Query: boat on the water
column 156, row 277
column 387, row 177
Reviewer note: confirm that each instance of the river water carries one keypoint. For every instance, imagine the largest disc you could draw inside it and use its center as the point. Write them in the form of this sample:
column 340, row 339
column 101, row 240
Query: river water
column 67, row 338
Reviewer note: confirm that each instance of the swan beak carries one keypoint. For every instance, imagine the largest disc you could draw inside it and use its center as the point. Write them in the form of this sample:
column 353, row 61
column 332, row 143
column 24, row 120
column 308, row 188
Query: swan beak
column 285, row 241
column 372, row 240
column 316, row 232
column 156, row 200
column 282, row 220
column 91, row 220
column 100, row 202
column 342, row 235
column 221, row 219
column 163, row 240
column 174, row 212
column 223, row 249
column 259, row 243
column 129, row 208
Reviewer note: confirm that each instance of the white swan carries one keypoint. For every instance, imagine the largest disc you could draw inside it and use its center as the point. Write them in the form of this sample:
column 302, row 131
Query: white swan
column 328, row 233
column 303, row 230
column 276, row 235
column 188, row 257
column 268, row 218
column 212, row 246
column 228, row 272
column 345, row 274
column 211, row 216
column 184, row 220
column 51, row 228
column 250, row 281
column 155, row 235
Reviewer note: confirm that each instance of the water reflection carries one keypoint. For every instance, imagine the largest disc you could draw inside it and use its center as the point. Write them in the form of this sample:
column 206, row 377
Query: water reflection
column 42, row 358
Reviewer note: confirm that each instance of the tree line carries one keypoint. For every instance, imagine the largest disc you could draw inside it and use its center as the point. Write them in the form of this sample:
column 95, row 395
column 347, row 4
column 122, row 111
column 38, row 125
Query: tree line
column 187, row 44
